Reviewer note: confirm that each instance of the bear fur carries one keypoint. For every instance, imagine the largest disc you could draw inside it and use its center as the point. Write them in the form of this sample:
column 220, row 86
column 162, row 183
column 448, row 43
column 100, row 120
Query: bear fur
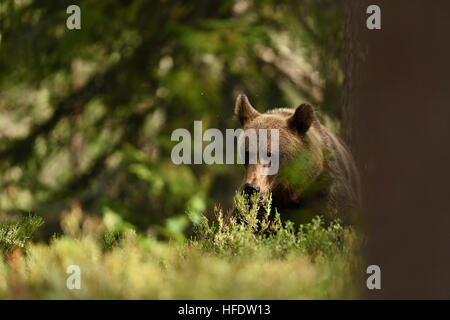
column 316, row 170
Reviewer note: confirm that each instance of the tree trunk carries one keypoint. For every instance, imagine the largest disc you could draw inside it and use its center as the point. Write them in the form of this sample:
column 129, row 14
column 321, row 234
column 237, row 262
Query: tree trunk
column 396, row 119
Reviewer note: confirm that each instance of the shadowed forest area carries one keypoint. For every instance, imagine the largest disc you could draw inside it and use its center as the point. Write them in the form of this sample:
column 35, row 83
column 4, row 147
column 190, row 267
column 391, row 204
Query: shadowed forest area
column 92, row 206
column 86, row 176
column 86, row 115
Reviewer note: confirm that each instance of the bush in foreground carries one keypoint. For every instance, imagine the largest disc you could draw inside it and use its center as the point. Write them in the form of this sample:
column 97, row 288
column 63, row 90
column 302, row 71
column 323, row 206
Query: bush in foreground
column 253, row 259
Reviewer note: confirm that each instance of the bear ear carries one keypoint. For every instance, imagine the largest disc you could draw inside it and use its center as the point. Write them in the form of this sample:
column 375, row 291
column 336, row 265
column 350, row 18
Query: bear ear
column 302, row 118
column 244, row 110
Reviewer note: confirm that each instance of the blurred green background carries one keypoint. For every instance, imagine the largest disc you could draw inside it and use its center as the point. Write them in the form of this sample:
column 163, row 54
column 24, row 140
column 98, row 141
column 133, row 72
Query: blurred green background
column 86, row 115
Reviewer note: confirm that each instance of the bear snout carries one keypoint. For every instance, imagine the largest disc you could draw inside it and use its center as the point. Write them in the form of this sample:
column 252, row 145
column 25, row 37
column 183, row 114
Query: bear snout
column 250, row 189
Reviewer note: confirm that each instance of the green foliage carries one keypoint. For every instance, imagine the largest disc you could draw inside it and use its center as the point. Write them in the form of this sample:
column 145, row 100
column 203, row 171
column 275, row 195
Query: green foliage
column 248, row 233
column 224, row 260
column 16, row 234
column 86, row 118
column 115, row 229
column 86, row 115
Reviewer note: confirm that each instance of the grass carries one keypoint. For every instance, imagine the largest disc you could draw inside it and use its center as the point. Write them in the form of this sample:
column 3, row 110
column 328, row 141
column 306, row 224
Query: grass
column 241, row 257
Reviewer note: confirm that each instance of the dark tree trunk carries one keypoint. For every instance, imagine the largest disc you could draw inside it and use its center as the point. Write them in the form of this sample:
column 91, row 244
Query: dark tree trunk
column 354, row 53
column 396, row 114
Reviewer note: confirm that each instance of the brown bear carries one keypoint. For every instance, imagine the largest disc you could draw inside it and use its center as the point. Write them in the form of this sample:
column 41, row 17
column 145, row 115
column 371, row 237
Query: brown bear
column 316, row 173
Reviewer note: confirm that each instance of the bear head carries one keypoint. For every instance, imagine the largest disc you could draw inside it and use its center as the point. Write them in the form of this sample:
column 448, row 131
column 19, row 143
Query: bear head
column 300, row 152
